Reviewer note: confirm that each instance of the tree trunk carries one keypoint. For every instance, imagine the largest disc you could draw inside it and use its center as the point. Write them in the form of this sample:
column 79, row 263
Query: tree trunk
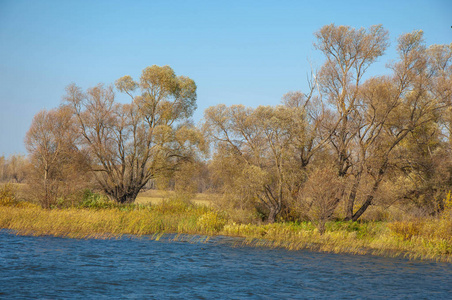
column 121, row 196
column 127, row 198
column 272, row 215
column 370, row 197
column 321, row 225
column 46, row 202
column 351, row 200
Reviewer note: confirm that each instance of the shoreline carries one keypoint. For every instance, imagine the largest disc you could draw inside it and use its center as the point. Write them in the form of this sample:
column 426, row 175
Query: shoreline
column 202, row 223
column 240, row 241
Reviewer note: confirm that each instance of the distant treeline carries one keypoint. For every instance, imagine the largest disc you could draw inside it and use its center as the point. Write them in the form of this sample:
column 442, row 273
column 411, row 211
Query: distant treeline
column 13, row 168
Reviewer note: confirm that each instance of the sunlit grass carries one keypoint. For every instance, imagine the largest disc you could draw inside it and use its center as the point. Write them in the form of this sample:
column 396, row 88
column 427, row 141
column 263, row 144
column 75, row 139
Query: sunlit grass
column 423, row 238
column 433, row 240
column 168, row 217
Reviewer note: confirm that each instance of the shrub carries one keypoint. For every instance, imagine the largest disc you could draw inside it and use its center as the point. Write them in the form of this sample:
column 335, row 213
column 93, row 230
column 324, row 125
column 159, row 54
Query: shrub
column 211, row 222
column 406, row 229
column 320, row 197
column 8, row 195
column 95, row 201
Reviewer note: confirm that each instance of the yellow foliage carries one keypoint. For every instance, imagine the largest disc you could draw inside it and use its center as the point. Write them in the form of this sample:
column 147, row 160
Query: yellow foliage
column 405, row 230
column 448, row 202
column 8, row 194
column 211, row 222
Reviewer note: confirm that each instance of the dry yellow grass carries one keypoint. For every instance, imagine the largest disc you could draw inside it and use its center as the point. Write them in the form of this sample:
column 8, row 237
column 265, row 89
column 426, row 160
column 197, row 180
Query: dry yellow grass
column 429, row 238
column 156, row 197
column 81, row 223
column 173, row 217
column 432, row 241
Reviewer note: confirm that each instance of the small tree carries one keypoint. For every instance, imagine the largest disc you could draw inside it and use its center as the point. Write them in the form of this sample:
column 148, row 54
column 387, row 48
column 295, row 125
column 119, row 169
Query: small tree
column 55, row 161
column 255, row 151
column 320, row 196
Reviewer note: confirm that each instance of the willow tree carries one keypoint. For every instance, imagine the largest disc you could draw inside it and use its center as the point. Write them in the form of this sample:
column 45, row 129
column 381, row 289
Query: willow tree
column 349, row 52
column 425, row 154
column 255, row 152
column 399, row 107
column 131, row 143
column 371, row 118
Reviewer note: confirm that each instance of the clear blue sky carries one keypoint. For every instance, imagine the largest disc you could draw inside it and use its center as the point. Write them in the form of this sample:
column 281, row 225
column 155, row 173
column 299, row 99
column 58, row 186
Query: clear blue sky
column 248, row 52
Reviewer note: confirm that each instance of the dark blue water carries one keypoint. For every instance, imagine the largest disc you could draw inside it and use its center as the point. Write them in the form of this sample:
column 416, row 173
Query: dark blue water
column 140, row 268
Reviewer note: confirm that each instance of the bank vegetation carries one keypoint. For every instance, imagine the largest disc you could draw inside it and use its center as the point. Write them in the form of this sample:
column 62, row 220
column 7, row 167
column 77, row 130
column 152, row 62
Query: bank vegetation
column 98, row 217
column 357, row 160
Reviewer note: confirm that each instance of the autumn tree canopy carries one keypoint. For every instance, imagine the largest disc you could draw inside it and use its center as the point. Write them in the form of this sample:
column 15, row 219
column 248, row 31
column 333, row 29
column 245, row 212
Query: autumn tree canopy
column 347, row 123
column 128, row 144
column 58, row 167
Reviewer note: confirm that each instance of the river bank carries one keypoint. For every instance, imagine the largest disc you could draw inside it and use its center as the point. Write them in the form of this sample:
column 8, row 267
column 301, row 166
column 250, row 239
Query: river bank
column 421, row 239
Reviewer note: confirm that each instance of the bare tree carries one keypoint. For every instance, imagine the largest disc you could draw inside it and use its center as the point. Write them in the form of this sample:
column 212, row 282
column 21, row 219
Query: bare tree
column 13, row 168
column 320, row 196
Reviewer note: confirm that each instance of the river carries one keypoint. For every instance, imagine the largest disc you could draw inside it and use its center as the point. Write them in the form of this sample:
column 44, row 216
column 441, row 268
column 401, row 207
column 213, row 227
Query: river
column 141, row 268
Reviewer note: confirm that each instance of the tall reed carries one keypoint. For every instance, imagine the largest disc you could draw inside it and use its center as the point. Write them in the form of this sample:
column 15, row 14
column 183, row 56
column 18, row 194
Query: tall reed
column 426, row 238
column 111, row 222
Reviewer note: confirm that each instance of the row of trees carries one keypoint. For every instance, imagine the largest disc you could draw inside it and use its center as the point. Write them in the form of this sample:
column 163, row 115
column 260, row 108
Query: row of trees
column 350, row 142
